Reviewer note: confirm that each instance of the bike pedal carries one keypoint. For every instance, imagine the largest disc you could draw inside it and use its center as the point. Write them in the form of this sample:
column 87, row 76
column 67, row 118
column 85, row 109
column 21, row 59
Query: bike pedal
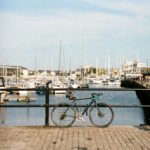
column 80, row 117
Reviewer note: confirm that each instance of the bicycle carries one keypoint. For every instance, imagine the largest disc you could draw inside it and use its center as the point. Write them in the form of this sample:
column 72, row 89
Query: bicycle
column 100, row 114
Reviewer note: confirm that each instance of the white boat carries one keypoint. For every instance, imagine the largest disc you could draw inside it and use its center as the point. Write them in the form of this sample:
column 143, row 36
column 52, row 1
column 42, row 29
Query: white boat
column 24, row 95
column 2, row 96
column 114, row 83
column 73, row 84
column 58, row 85
column 117, row 82
column 31, row 84
column 96, row 81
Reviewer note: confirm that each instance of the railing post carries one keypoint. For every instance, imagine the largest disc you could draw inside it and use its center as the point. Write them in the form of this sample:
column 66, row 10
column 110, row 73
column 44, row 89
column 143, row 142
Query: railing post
column 47, row 104
column 0, row 98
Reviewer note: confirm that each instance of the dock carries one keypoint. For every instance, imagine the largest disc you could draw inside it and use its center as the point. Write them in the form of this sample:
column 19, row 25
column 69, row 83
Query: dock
column 75, row 138
column 9, row 98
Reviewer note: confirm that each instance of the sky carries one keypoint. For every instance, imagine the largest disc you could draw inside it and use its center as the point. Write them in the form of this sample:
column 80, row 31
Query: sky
column 88, row 32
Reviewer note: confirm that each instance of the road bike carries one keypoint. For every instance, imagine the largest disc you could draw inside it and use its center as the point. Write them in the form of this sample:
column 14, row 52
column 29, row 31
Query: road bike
column 100, row 114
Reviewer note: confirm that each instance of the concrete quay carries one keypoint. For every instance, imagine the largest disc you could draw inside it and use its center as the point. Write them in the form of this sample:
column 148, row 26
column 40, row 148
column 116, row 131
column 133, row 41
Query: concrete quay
column 75, row 138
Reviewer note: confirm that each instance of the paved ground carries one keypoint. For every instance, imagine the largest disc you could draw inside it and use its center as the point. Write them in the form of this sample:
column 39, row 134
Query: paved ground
column 75, row 138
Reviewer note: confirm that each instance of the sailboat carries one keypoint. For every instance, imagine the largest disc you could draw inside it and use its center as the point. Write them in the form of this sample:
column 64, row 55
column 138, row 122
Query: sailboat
column 58, row 82
column 96, row 80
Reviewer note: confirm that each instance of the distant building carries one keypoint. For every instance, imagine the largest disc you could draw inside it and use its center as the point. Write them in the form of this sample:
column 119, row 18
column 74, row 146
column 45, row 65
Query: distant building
column 83, row 70
column 8, row 70
column 133, row 69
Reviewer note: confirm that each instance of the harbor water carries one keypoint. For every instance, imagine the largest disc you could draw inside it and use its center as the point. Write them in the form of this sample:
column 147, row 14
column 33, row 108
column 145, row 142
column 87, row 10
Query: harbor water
column 36, row 116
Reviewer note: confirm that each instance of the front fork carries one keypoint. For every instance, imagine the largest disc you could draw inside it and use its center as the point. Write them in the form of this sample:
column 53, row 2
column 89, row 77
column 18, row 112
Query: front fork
column 100, row 114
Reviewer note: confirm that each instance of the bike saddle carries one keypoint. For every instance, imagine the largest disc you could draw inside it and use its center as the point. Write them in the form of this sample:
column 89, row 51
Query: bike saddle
column 96, row 94
column 72, row 97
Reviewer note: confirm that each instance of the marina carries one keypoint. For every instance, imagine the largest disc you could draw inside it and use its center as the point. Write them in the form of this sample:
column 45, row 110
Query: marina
column 74, row 75
column 83, row 78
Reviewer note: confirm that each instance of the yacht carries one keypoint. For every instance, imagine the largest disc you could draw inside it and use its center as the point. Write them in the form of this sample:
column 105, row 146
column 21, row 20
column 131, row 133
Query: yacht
column 73, row 84
column 58, row 85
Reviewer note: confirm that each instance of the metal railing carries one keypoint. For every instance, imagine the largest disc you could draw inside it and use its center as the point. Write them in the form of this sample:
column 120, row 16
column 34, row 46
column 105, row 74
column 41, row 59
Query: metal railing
column 47, row 90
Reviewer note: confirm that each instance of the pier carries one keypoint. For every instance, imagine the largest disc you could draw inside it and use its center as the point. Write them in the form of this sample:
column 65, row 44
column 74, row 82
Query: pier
column 143, row 95
column 75, row 138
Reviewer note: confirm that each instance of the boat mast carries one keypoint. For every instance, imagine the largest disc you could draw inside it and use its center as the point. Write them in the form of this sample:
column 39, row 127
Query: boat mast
column 63, row 64
column 51, row 65
column 60, row 58
column 35, row 68
column 83, row 55
column 17, row 74
column 70, row 66
column 45, row 65
column 96, row 68
column 109, row 65
column 3, row 74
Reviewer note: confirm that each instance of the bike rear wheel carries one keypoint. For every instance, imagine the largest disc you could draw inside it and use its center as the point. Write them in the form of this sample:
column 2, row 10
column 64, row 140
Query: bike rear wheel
column 63, row 115
column 101, row 115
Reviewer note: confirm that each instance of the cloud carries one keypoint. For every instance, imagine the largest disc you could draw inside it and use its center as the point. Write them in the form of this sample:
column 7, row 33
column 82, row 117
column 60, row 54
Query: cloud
column 69, row 21
column 135, row 7
column 34, row 33
column 69, row 26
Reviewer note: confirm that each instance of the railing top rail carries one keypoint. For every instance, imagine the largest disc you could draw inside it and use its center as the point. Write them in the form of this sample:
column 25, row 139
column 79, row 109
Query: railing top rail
column 77, row 105
column 78, row 89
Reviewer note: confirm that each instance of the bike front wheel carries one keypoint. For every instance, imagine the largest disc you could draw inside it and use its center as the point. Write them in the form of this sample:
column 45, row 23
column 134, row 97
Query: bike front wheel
column 101, row 115
column 63, row 115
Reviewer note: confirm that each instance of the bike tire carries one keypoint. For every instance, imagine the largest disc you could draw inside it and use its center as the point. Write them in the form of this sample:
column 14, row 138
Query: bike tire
column 63, row 115
column 101, row 115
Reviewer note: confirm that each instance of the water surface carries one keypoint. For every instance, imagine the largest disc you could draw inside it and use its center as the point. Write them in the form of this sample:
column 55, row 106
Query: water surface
column 36, row 116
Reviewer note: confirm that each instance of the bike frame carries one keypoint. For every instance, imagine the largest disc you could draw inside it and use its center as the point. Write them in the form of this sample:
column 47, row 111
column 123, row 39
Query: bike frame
column 88, row 105
column 74, row 112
